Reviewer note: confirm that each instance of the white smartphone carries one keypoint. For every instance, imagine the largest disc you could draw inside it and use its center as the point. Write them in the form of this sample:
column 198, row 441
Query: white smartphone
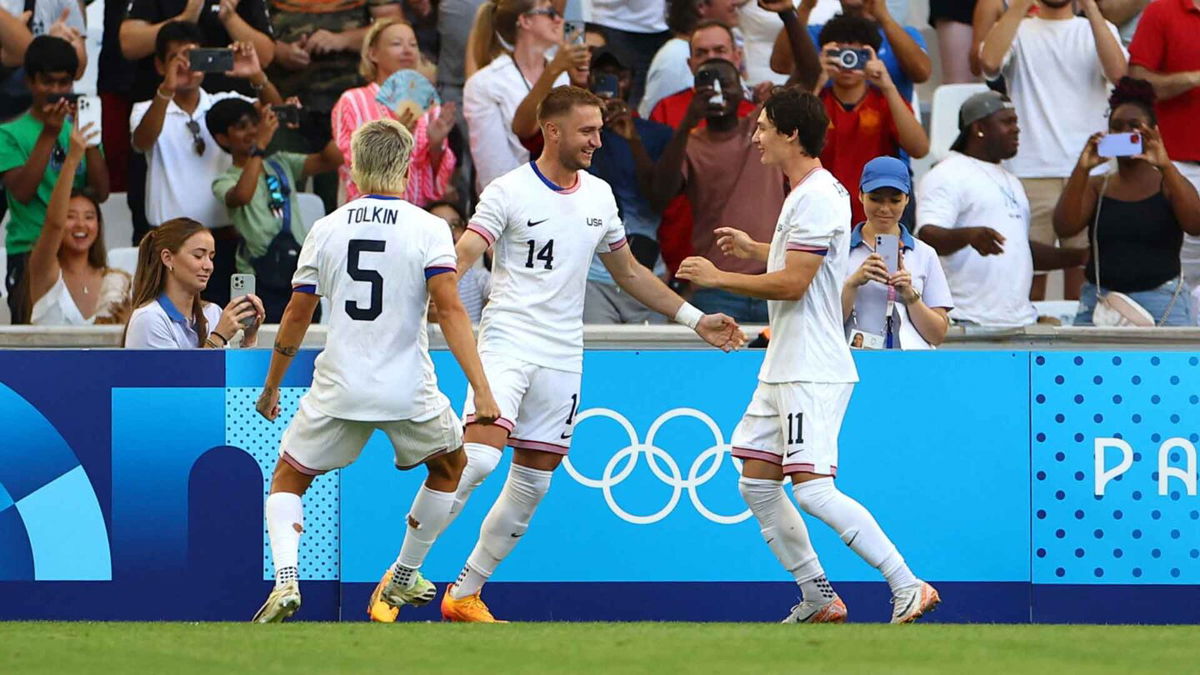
column 888, row 248
column 573, row 32
column 239, row 285
column 1120, row 145
column 88, row 111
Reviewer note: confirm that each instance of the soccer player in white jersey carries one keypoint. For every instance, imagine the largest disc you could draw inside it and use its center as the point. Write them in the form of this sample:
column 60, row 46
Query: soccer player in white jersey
column 545, row 221
column 378, row 260
column 790, row 428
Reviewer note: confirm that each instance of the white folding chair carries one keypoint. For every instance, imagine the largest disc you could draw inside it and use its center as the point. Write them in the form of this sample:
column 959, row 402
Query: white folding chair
column 124, row 259
column 943, row 116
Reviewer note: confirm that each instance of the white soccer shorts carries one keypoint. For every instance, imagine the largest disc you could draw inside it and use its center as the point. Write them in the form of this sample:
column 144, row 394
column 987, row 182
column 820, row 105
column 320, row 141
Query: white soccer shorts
column 537, row 404
column 315, row 443
column 795, row 425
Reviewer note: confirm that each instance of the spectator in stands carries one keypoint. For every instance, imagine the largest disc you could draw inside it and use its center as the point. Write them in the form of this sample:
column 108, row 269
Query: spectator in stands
column 868, row 117
column 1125, row 15
column 571, row 58
column 174, row 266
column 422, row 16
column 114, row 85
column 169, row 130
column 455, row 21
column 1134, row 217
column 911, row 304
column 260, row 192
column 1166, row 52
column 973, row 212
column 671, row 69
column 475, row 284
column 635, row 30
column 952, row 19
column 70, row 282
column 901, row 48
column 492, row 95
column 1057, row 67
column 318, row 45
column 389, row 47
column 629, row 146
column 20, row 22
column 32, row 151
column 719, row 170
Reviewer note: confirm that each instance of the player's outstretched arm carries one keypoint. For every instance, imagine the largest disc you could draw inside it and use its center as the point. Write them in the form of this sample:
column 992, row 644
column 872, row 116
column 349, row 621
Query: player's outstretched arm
column 456, row 327
column 717, row 329
column 737, row 243
column 789, row 283
column 292, row 328
column 470, row 246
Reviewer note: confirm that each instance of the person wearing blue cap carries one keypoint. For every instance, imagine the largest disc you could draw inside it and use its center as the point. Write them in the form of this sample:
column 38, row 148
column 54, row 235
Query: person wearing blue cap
column 896, row 299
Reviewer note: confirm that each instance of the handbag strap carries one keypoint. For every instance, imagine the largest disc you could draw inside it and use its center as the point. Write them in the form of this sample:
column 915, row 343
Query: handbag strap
column 285, row 188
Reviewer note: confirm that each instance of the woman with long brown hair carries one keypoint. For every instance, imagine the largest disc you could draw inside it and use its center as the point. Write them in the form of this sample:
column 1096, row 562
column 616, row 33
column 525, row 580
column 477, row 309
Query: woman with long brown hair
column 68, row 278
column 175, row 262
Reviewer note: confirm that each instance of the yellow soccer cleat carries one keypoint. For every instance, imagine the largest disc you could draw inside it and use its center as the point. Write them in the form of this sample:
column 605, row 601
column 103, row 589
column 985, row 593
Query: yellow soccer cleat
column 467, row 610
column 388, row 598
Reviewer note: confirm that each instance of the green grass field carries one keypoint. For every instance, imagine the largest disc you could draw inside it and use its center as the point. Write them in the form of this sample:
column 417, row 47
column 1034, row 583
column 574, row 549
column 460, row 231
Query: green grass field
column 658, row 648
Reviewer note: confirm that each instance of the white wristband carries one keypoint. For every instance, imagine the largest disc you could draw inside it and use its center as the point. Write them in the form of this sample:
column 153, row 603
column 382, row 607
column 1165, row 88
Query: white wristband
column 688, row 315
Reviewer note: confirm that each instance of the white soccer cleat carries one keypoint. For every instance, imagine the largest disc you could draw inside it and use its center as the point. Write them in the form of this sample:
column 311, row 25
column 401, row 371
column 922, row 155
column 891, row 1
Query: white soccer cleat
column 807, row 611
column 913, row 602
column 388, row 597
column 281, row 603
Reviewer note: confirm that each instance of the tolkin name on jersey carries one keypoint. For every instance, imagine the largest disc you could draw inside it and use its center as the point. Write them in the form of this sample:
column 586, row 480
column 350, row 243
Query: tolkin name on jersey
column 373, row 214
column 595, row 222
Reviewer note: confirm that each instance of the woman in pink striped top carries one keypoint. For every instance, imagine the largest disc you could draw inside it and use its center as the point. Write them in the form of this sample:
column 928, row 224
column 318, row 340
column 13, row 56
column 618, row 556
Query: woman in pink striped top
column 391, row 45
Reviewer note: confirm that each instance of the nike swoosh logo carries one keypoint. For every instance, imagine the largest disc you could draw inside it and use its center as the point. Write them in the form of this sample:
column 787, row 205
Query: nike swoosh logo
column 531, row 223
column 514, row 535
column 565, row 436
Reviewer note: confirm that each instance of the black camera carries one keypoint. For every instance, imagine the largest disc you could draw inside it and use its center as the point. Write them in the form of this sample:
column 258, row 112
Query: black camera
column 289, row 115
column 848, row 58
column 71, row 98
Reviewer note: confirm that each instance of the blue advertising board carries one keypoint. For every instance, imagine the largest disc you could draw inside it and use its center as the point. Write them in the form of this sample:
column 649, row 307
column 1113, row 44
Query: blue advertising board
column 1028, row 486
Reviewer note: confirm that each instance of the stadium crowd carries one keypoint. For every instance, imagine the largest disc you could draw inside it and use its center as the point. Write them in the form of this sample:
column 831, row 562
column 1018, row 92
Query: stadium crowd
column 212, row 156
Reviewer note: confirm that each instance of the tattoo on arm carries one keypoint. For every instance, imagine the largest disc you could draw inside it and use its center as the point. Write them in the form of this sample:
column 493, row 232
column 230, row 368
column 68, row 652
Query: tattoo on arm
column 285, row 351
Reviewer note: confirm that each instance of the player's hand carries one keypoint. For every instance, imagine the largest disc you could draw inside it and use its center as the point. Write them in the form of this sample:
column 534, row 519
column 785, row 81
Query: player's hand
column 699, row 271
column 736, row 243
column 721, row 332
column 873, row 269
column 268, row 403
column 986, row 241
column 487, row 411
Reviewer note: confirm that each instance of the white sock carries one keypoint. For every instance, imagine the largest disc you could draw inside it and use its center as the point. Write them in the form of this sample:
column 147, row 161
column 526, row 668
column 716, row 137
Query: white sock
column 285, row 522
column 504, row 525
column 481, row 461
column 426, row 518
column 855, row 525
column 782, row 527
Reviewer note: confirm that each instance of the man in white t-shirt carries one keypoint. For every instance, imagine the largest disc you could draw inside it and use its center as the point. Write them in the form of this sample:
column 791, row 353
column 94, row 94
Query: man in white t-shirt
column 974, row 213
column 791, row 425
column 1058, row 67
column 378, row 260
column 545, row 222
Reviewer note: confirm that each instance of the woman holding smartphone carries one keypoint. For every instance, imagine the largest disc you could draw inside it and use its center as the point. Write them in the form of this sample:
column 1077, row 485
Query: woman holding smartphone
column 175, row 262
column 1135, row 216
column 897, row 296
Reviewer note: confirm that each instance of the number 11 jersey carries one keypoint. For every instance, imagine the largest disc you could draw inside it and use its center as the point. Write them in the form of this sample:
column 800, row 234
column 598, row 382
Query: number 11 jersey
column 371, row 259
column 544, row 238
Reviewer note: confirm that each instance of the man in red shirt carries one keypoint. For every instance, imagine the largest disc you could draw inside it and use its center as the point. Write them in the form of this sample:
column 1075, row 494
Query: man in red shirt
column 867, row 116
column 1166, row 52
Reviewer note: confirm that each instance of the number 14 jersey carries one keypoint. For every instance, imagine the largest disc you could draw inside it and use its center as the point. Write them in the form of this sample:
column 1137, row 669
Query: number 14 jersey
column 371, row 259
column 544, row 237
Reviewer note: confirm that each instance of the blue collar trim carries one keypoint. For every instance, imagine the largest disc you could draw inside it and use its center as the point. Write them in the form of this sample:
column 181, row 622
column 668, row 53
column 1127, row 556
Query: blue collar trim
column 906, row 238
column 383, row 197
column 172, row 313
column 550, row 184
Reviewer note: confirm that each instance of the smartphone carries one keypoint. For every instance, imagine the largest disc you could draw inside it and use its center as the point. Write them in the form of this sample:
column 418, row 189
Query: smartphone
column 88, row 111
column 888, row 248
column 289, row 115
column 239, row 285
column 605, row 85
column 69, row 98
column 1120, row 145
column 711, row 79
column 573, row 32
column 206, row 60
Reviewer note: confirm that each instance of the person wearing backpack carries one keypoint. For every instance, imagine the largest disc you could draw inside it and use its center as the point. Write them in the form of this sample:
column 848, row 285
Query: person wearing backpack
column 260, row 193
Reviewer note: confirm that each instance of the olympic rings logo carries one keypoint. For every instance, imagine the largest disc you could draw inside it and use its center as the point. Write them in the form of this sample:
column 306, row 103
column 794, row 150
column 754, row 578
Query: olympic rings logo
column 672, row 475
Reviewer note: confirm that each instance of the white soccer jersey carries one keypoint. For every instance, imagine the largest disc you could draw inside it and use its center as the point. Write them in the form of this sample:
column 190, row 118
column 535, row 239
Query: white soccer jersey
column 371, row 259
column 544, row 238
column 808, row 343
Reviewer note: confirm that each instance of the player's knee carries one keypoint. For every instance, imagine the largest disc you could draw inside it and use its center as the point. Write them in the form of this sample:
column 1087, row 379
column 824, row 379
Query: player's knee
column 481, row 460
column 448, row 467
column 528, row 483
column 757, row 491
column 813, row 495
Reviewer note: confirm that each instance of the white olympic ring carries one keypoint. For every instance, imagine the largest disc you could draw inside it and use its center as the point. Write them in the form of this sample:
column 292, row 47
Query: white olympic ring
column 672, row 476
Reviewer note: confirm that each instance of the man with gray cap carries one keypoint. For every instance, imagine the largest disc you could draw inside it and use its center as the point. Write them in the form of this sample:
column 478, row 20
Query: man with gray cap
column 974, row 213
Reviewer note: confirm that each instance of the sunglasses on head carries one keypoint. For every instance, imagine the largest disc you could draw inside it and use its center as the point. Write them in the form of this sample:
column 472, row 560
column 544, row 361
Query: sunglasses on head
column 197, row 140
column 545, row 11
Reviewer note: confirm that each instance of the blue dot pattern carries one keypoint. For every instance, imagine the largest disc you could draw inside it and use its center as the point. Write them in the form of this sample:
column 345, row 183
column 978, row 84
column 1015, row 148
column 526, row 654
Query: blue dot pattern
column 1132, row 534
column 320, row 558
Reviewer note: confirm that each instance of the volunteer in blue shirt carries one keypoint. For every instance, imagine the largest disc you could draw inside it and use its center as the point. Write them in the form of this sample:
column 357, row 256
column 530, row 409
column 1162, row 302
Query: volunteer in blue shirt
column 910, row 307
